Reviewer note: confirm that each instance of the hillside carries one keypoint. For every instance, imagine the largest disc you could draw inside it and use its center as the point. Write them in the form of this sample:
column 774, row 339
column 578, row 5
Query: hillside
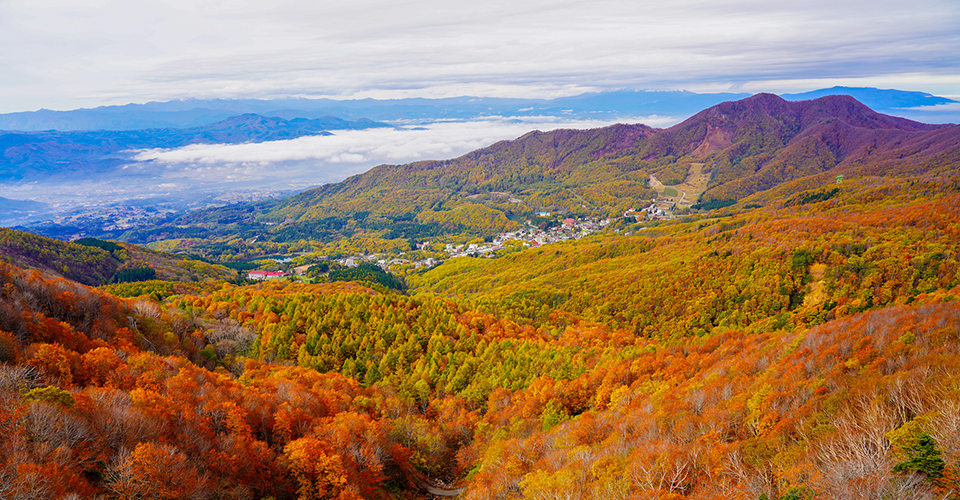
column 481, row 193
column 754, row 143
column 97, row 262
column 760, row 142
column 809, row 260
column 790, row 355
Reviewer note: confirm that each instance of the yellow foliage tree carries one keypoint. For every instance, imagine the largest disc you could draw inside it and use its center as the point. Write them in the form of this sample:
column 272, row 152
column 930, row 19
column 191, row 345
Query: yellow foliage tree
column 319, row 472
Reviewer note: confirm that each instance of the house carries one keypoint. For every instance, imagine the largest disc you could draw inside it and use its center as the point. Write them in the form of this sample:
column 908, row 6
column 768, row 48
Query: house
column 266, row 275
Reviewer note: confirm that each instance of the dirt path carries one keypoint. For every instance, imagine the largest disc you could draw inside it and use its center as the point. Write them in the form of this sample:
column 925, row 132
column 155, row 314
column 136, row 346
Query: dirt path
column 694, row 184
column 445, row 493
column 659, row 187
column 655, row 183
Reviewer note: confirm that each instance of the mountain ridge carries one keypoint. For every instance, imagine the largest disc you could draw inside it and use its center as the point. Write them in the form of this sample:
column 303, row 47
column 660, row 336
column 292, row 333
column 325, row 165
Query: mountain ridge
column 618, row 103
column 885, row 98
column 751, row 114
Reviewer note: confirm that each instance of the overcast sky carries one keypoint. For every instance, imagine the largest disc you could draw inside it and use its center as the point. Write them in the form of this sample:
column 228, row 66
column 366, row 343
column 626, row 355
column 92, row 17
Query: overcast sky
column 65, row 54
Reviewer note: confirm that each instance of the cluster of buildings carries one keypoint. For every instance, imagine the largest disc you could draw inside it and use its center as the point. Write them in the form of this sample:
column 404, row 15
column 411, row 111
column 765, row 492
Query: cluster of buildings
column 656, row 211
column 529, row 236
column 113, row 218
column 532, row 236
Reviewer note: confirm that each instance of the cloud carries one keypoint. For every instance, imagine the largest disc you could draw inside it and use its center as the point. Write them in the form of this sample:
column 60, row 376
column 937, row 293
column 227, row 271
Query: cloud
column 157, row 50
column 949, row 107
column 334, row 157
column 195, row 176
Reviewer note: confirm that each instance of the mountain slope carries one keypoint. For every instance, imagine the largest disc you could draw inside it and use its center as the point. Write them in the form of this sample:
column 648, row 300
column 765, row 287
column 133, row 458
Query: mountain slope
column 97, row 262
column 759, row 142
column 485, row 188
column 750, row 145
column 536, row 161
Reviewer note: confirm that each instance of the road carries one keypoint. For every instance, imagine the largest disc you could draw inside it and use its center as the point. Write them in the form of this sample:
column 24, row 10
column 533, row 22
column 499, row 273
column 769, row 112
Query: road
column 431, row 489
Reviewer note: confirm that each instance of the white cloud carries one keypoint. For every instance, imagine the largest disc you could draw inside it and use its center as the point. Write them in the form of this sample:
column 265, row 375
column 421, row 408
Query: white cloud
column 334, row 157
column 949, row 107
column 65, row 53
column 192, row 176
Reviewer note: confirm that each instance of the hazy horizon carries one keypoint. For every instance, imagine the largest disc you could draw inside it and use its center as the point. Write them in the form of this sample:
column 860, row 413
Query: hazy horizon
column 69, row 55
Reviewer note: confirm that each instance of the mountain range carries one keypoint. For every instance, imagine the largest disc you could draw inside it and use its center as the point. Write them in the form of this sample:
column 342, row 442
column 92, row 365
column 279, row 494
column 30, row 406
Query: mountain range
column 613, row 104
column 733, row 152
column 77, row 165
column 33, row 156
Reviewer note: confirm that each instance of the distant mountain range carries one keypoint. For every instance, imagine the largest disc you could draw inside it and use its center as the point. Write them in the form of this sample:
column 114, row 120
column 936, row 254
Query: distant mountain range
column 616, row 104
column 877, row 99
column 29, row 156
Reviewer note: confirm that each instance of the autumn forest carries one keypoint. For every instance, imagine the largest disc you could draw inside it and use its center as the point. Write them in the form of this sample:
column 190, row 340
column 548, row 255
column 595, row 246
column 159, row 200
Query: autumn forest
column 795, row 335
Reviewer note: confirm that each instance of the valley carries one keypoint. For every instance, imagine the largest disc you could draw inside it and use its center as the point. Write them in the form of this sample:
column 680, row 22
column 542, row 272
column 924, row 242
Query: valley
column 759, row 302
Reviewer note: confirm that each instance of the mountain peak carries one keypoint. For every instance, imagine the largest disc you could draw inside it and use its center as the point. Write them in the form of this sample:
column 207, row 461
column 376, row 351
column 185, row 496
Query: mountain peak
column 800, row 115
column 852, row 112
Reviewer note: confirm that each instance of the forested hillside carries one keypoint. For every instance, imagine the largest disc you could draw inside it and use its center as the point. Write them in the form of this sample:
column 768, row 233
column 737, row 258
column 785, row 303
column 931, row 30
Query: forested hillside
column 803, row 343
column 97, row 262
column 813, row 259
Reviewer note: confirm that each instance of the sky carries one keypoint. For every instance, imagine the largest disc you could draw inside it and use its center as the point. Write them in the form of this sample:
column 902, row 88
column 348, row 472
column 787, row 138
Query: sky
column 60, row 54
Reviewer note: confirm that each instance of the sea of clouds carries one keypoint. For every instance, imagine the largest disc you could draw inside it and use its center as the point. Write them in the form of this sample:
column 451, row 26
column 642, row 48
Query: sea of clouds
column 321, row 159
column 202, row 175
